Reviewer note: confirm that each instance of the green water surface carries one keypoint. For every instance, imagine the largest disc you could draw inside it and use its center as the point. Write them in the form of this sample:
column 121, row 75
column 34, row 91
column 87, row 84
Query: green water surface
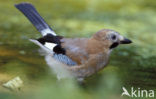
column 130, row 65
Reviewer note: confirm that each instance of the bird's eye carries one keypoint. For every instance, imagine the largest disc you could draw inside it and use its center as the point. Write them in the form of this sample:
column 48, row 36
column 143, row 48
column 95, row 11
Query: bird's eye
column 113, row 37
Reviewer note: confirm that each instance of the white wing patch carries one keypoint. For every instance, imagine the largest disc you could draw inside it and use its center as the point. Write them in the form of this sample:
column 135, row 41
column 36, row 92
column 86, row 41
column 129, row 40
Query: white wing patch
column 47, row 50
column 50, row 45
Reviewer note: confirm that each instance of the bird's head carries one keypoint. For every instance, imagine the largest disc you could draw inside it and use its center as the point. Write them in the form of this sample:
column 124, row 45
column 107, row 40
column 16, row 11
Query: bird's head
column 110, row 38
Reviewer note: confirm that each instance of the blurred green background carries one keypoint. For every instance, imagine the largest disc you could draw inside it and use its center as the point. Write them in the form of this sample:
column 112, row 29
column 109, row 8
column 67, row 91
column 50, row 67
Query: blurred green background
column 130, row 65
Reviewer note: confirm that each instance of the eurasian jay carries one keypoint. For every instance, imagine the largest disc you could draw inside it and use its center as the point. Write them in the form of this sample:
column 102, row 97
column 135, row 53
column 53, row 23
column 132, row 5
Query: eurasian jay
column 80, row 57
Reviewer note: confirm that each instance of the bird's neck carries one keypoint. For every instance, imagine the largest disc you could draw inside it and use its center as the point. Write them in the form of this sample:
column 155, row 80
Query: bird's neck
column 94, row 46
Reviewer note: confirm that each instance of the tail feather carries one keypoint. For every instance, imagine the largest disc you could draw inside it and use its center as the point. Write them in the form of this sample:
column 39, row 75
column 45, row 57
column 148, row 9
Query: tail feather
column 31, row 13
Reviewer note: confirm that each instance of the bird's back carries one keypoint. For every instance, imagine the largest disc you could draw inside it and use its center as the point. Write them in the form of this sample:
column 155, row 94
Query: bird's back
column 76, row 49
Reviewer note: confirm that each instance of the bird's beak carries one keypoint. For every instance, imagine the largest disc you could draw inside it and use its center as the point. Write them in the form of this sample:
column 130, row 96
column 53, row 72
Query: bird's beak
column 124, row 40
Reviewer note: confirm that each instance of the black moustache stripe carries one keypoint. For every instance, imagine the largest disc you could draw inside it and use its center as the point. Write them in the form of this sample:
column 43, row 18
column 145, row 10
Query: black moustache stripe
column 114, row 45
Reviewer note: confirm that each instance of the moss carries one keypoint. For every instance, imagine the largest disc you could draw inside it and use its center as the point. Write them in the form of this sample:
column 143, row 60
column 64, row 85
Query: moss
column 130, row 65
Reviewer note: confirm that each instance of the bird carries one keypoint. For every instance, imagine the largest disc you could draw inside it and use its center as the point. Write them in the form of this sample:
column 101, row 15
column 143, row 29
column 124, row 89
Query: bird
column 72, row 57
